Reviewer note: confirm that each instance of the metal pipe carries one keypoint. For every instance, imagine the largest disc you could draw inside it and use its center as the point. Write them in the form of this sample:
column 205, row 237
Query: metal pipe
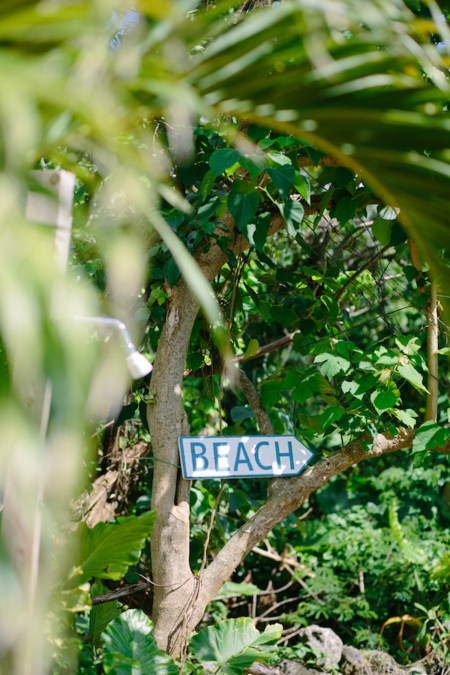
column 138, row 365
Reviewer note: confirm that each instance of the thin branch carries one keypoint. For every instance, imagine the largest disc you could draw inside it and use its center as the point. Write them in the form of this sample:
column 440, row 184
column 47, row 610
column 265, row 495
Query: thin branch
column 283, row 342
column 120, row 593
column 359, row 271
column 327, row 160
column 275, row 606
column 254, row 400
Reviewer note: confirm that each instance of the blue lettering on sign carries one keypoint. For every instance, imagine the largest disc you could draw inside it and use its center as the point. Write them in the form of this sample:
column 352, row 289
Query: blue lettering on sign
column 245, row 460
column 198, row 455
column 261, row 466
column 289, row 454
column 218, row 455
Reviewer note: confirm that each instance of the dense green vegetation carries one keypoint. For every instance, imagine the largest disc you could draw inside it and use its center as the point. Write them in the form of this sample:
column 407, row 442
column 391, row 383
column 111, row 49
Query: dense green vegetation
column 296, row 159
column 371, row 538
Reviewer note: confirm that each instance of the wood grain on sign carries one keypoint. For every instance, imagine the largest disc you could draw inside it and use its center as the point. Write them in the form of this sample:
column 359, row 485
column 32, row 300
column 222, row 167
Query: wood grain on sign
column 242, row 456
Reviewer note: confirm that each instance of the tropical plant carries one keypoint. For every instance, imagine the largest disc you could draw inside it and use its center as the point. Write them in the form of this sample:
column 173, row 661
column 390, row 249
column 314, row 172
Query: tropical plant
column 249, row 152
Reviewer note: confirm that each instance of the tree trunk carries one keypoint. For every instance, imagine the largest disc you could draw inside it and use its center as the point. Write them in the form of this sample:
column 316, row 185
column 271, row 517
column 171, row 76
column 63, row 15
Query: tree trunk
column 180, row 598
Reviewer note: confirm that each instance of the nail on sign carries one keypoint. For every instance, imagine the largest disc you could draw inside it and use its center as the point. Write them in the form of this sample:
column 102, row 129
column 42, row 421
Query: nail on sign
column 242, row 456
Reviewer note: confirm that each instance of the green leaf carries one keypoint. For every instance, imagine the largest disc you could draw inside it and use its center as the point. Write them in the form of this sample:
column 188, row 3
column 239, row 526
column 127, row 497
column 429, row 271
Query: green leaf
column 101, row 615
column 252, row 348
column 127, row 413
column 301, row 393
column 387, row 358
column 223, row 159
column 256, row 132
column 106, row 551
column 241, row 412
column 410, row 272
column 143, row 415
column 421, row 459
column 307, row 326
column 398, row 234
column 302, row 185
column 408, row 417
column 207, row 210
column 381, row 230
column 442, row 569
column 412, row 553
column 332, row 365
column 171, row 272
column 412, row 376
column 430, row 435
column 330, row 415
column 283, row 177
column 270, row 392
column 292, row 213
column 343, row 176
column 252, row 294
column 279, row 158
column 408, row 345
column 189, row 268
column 283, row 315
column 131, row 649
column 235, row 644
column 232, row 588
column 382, row 400
column 314, row 155
column 256, row 233
column 352, row 387
column 345, row 210
column 207, row 183
column 254, row 164
column 242, row 207
column 291, row 379
column 77, row 598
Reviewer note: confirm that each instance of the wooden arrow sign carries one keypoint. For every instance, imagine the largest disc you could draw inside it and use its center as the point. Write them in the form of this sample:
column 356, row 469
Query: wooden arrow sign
column 242, row 456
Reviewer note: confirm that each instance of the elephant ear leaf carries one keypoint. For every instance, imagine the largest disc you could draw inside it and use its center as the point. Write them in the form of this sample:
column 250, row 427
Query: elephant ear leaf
column 107, row 550
column 235, row 644
column 101, row 615
column 131, row 648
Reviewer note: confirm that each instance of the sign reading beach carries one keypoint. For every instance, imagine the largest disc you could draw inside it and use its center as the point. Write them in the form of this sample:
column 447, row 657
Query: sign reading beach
column 242, row 456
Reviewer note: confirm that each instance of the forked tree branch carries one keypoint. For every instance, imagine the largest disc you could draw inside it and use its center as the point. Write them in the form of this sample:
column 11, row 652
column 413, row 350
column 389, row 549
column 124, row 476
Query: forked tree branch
column 168, row 421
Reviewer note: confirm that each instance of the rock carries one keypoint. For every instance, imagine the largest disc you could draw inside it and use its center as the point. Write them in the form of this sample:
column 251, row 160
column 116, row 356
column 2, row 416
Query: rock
column 288, row 667
column 263, row 669
column 325, row 641
column 352, row 661
column 383, row 664
column 416, row 669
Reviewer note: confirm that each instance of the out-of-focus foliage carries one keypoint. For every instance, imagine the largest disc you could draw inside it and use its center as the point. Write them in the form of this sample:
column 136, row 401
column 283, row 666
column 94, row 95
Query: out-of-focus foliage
column 116, row 98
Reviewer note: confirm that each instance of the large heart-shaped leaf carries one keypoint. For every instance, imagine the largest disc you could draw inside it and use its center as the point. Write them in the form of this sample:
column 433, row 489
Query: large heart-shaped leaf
column 106, row 551
column 235, row 644
column 101, row 615
column 131, row 649
column 292, row 213
column 242, row 207
column 283, row 177
column 223, row 159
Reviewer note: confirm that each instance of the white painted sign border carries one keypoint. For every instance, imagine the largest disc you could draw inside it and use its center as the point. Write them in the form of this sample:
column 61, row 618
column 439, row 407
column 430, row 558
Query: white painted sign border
column 241, row 449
